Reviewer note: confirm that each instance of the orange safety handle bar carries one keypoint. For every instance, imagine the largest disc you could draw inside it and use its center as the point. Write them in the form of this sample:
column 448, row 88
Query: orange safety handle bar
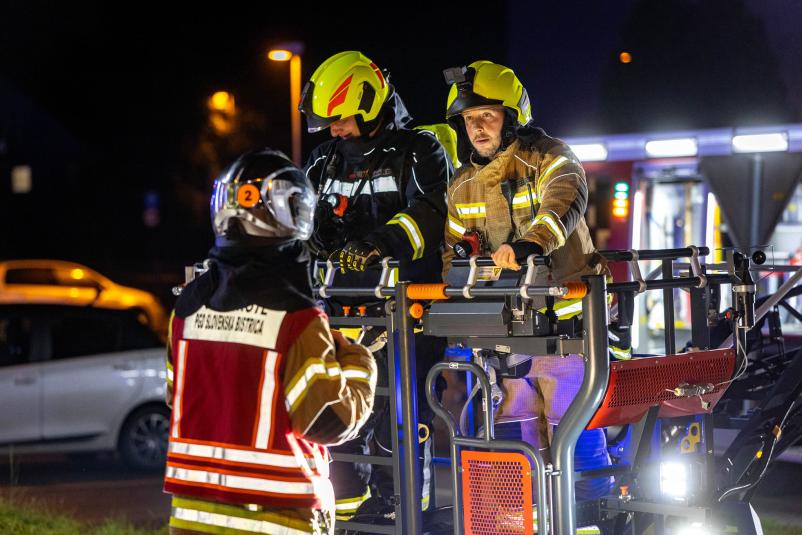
column 427, row 292
column 576, row 290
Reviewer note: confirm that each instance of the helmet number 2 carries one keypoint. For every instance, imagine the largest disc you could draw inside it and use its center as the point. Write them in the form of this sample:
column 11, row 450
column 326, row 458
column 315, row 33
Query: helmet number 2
column 247, row 195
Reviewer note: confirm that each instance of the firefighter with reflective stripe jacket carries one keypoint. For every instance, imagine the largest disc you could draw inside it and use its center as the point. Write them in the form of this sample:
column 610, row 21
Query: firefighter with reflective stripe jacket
column 381, row 186
column 520, row 192
column 258, row 383
column 381, row 192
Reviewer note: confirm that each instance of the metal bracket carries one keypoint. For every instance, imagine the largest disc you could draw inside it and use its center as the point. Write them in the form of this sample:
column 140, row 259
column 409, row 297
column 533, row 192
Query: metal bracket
column 634, row 268
column 190, row 273
column 696, row 268
column 327, row 281
column 384, row 278
column 472, row 276
column 744, row 288
column 530, row 276
column 490, row 366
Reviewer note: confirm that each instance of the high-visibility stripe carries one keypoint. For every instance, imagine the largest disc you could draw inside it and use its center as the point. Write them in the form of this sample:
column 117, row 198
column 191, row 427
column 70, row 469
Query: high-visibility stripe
column 308, row 375
column 351, row 504
column 455, row 228
column 553, row 226
column 170, row 333
column 382, row 184
column 346, row 507
column 170, row 374
column 220, row 453
column 179, row 389
column 354, row 372
column 250, row 511
column 621, row 354
column 413, row 233
column 524, row 199
column 569, row 311
column 565, row 309
column 471, row 210
column 219, row 520
column 553, row 166
column 427, row 475
column 213, row 478
column 265, row 416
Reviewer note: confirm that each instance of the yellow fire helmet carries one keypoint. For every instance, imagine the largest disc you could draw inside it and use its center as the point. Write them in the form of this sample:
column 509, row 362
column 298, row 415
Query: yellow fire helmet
column 484, row 83
column 346, row 84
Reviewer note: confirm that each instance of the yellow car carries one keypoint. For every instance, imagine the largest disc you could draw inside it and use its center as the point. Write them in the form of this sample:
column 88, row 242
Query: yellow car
column 69, row 283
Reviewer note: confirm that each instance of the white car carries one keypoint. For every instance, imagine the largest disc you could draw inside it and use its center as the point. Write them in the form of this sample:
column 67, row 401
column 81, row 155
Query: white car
column 82, row 379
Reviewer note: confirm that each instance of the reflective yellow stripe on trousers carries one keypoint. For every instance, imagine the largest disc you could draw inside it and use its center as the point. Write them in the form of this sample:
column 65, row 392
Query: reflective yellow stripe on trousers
column 218, row 518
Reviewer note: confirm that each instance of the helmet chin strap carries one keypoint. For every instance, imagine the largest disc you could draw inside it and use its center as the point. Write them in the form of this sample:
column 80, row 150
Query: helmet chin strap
column 367, row 129
column 507, row 130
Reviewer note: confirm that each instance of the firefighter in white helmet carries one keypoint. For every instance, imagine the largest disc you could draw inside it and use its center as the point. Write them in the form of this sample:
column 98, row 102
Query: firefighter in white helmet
column 258, row 383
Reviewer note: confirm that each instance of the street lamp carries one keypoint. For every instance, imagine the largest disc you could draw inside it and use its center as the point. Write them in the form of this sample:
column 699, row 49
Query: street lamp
column 291, row 51
column 222, row 112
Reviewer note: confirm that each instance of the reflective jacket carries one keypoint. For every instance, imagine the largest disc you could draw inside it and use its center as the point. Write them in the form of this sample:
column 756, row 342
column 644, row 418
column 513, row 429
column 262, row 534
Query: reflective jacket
column 395, row 183
column 256, row 393
column 534, row 191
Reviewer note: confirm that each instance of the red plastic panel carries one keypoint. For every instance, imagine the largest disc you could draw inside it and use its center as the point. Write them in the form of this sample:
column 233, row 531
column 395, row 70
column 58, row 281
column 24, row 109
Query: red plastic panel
column 496, row 493
column 637, row 384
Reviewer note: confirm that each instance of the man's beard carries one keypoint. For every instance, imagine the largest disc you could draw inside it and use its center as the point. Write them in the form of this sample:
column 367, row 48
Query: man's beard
column 488, row 151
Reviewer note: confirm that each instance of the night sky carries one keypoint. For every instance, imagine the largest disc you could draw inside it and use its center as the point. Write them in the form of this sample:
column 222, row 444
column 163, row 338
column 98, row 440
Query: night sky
column 106, row 106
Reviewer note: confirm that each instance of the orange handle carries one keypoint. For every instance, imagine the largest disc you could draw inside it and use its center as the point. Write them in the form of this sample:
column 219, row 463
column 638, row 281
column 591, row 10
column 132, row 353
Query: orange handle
column 576, row 290
column 425, row 292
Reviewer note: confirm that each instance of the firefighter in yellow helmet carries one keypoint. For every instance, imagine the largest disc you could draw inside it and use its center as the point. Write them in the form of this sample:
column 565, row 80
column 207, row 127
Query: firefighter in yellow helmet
column 381, row 192
column 521, row 192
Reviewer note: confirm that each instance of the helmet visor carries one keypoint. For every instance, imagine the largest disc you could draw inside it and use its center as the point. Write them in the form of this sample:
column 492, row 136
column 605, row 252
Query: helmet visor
column 270, row 207
column 314, row 122
column 292, row 206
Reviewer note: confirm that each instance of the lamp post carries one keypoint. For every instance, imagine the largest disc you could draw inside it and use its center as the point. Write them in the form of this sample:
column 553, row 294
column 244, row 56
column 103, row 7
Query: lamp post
column 291, row 51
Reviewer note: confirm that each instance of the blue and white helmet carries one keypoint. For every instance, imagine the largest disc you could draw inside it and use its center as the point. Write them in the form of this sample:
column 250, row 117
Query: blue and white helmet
column 263, row 194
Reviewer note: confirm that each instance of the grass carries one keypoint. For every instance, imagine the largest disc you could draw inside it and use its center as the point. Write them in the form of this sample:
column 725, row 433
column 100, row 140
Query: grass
column 771, row 527
column 25, row 518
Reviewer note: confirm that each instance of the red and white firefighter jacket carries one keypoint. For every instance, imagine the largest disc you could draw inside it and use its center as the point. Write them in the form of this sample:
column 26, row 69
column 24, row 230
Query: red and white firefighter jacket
column 256, row 395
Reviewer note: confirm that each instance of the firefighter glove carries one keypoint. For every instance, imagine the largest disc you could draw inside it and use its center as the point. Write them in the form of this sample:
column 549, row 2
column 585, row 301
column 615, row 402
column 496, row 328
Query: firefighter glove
column 357, row 255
